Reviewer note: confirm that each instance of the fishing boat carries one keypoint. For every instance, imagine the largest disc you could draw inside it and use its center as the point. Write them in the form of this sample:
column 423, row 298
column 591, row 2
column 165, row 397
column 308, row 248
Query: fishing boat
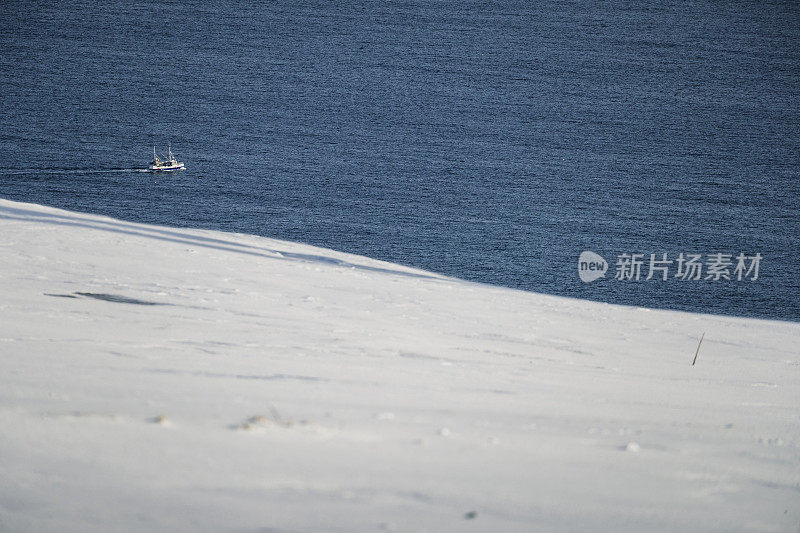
column 165, row 164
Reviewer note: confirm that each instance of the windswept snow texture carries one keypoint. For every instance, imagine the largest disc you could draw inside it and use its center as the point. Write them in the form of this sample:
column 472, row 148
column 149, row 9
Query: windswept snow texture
column 283, row 387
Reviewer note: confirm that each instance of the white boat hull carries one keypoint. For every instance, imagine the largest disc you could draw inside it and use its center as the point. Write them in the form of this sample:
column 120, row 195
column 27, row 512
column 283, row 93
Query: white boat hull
column 166, row 168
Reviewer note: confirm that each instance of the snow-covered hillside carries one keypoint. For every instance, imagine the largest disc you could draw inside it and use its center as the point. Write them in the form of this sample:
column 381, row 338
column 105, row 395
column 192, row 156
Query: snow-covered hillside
column 161, row 379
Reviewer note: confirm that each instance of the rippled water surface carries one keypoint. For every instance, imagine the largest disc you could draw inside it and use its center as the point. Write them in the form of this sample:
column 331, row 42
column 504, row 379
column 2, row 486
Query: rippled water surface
column 489, row 141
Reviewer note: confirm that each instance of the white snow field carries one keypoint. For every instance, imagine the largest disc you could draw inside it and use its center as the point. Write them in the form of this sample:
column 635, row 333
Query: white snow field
column 161, row 379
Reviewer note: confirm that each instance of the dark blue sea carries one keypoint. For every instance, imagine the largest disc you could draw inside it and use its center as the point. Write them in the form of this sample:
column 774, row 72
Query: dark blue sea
column 493, row 141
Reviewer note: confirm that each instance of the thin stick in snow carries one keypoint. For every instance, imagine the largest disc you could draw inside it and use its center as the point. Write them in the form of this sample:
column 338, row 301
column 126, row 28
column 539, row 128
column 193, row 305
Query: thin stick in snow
column 698, row 348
